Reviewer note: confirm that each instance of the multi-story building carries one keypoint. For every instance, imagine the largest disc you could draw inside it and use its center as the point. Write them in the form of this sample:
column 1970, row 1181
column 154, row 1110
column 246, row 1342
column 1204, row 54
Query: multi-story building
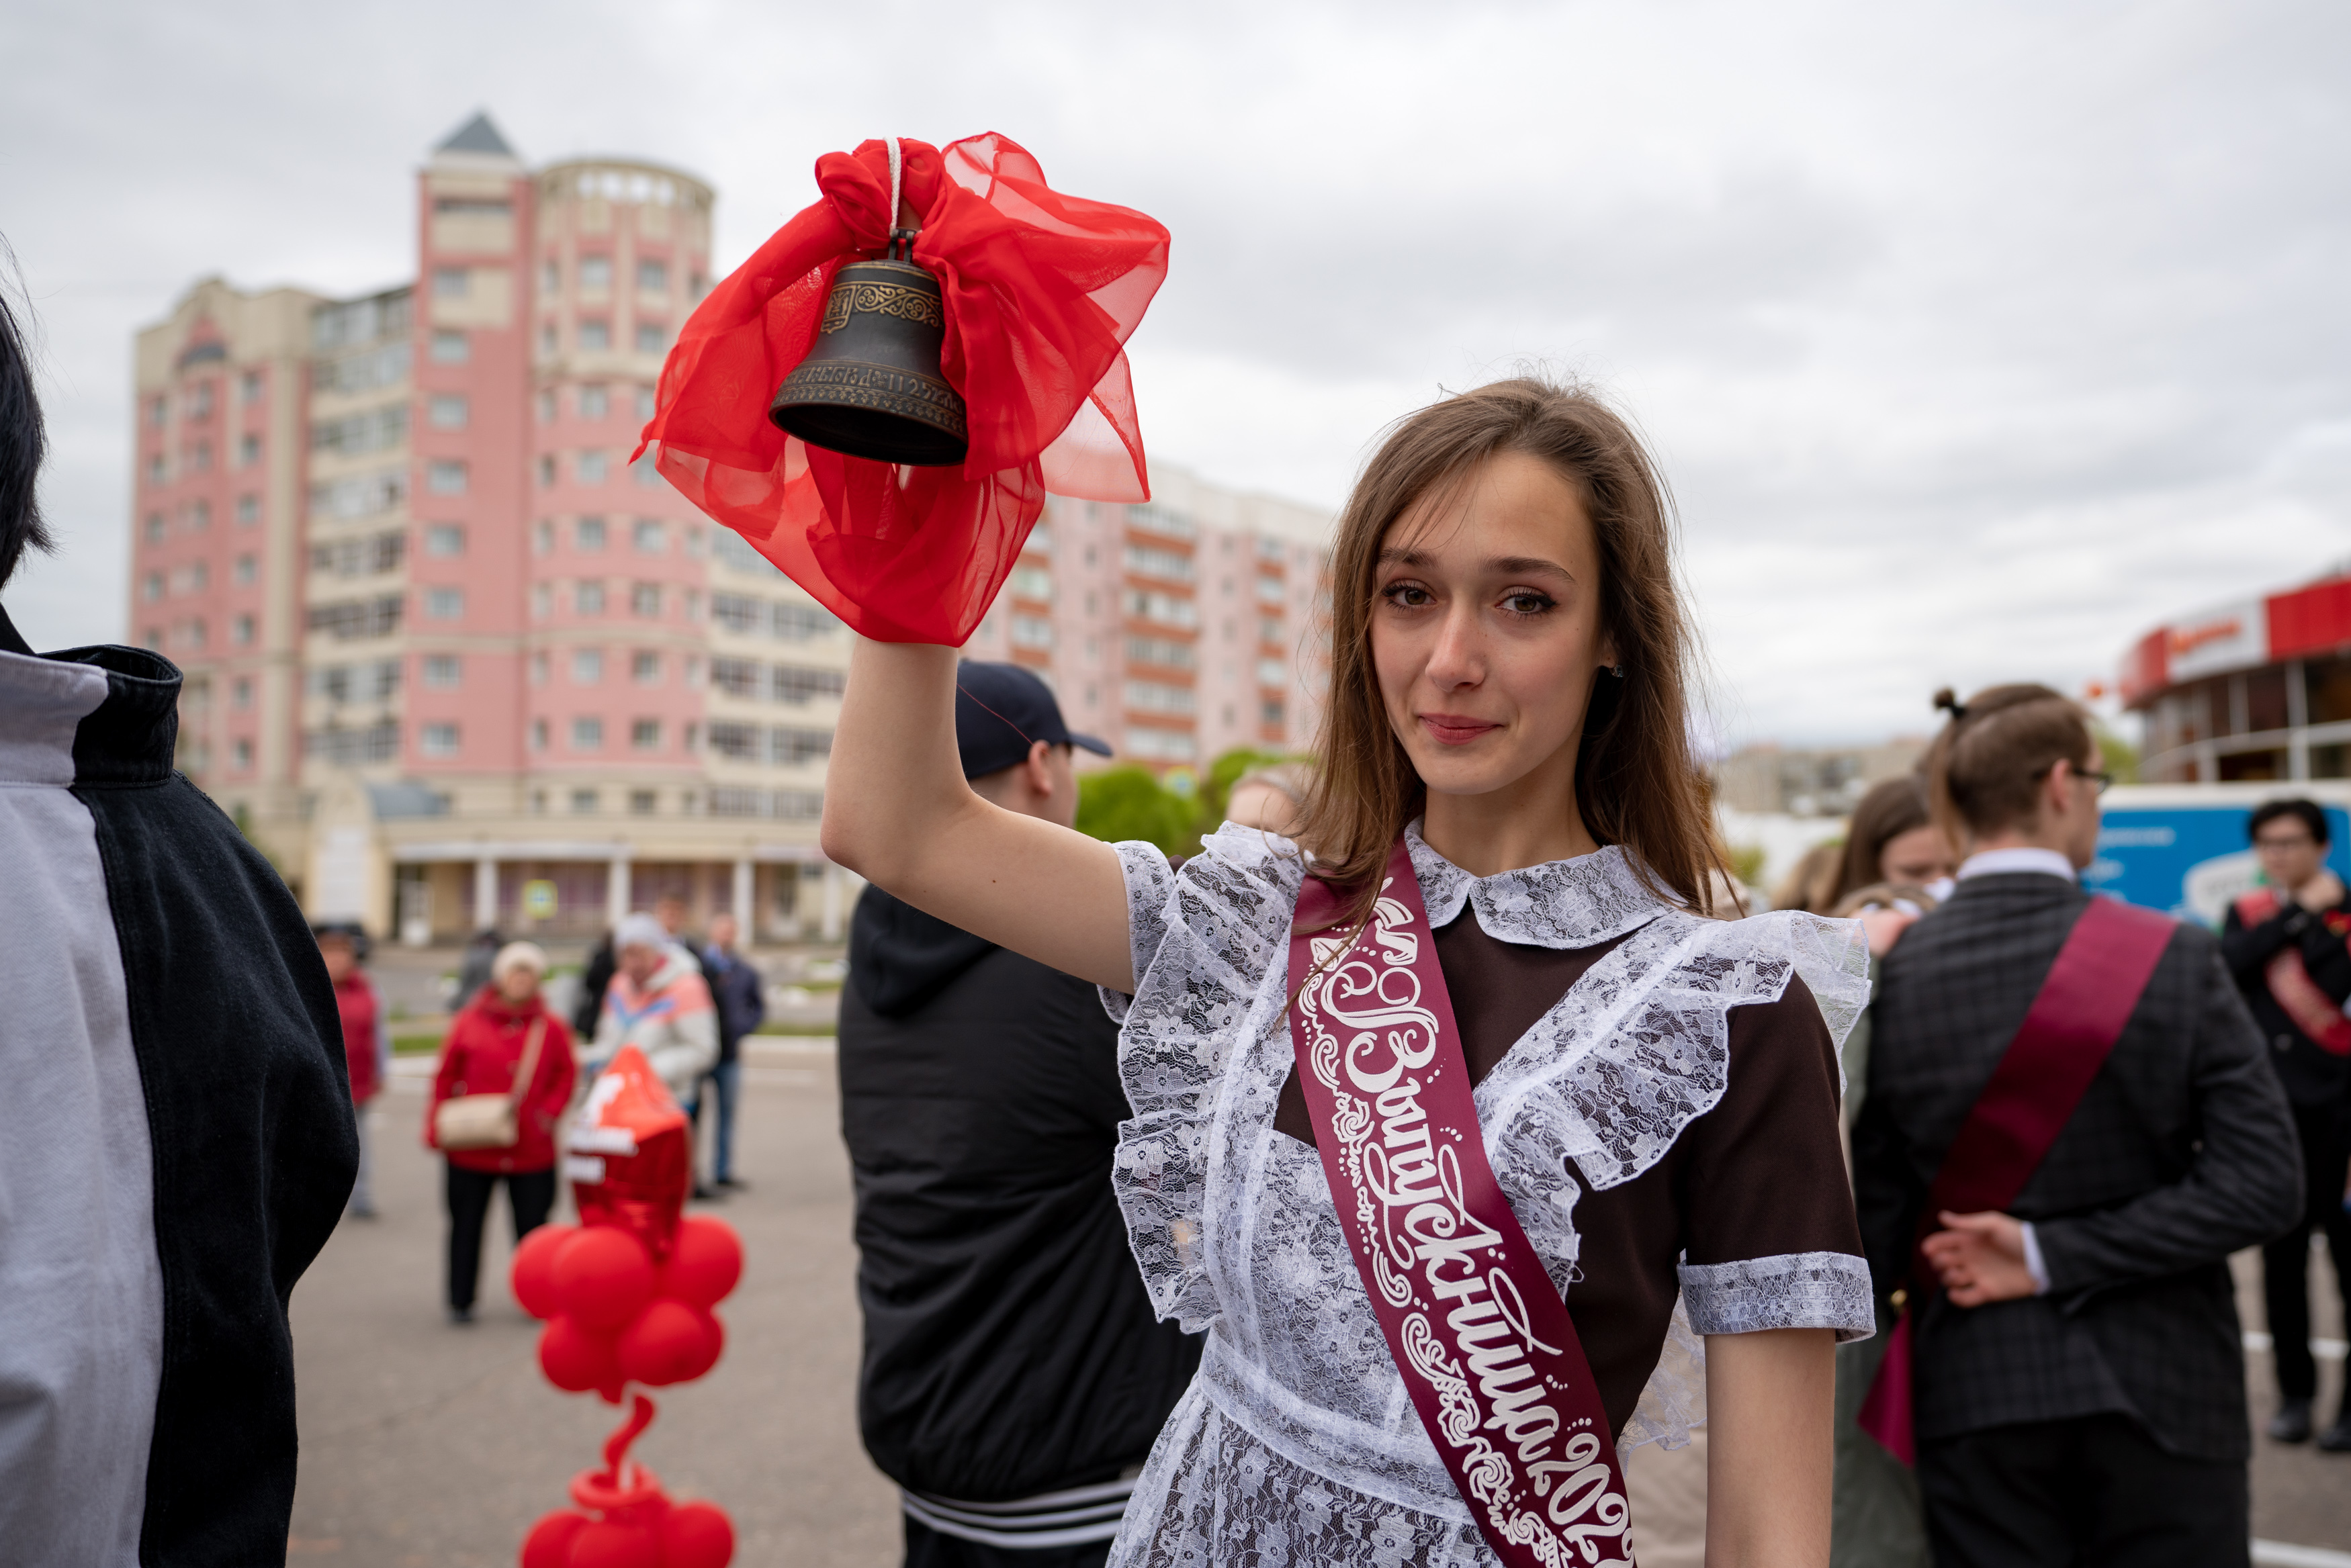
column 2248, row 693
column 452, row 662
column 1773, row 780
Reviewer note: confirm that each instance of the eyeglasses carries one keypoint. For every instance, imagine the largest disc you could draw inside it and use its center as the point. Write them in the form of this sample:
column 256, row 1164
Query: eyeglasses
column 2102, row 781
column 2276, row 845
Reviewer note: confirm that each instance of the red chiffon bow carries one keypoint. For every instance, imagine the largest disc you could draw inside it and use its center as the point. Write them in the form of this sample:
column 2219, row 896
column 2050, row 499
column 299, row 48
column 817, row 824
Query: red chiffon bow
column 1041, row 290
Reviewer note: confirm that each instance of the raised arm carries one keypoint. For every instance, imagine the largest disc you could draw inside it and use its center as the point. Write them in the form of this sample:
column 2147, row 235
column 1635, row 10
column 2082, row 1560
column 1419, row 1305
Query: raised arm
column 898, row 812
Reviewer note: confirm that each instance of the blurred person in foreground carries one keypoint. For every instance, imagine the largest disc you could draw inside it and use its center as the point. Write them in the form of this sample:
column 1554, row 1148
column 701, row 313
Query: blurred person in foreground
column 1271, row 798
column 739, row 993
column 1013, row 1376
column 367, row 1040
column 176, row 1138
column 504, row 1026
column 2285, row 944
column 658, row 1002
column 2077, row 1370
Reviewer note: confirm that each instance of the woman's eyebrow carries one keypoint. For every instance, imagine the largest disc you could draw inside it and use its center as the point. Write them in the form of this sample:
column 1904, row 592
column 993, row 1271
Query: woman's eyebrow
column 1396, row 557
column 1527, row 565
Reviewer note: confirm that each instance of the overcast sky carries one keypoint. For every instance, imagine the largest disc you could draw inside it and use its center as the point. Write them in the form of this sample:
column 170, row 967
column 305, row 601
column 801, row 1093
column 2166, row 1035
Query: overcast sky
column 1976, row 339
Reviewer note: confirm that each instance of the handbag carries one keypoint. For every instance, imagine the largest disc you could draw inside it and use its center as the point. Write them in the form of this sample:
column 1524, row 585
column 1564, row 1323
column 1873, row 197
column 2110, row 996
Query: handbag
column 489, row 1121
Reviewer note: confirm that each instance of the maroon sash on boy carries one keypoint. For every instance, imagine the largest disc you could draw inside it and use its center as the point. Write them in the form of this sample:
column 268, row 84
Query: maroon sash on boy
column 2069, row 1031
column 2313, row 1010
column 1484, row 1342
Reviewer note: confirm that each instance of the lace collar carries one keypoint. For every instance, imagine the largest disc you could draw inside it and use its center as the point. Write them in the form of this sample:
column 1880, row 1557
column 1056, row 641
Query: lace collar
column 1558, row 904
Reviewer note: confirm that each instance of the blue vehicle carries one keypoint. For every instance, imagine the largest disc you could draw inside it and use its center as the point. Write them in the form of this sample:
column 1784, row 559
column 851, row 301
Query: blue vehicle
column 2183, row 848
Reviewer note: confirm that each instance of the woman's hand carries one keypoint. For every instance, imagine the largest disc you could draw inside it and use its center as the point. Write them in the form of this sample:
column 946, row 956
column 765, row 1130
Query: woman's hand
column 898, row 812
column 1771, row 1401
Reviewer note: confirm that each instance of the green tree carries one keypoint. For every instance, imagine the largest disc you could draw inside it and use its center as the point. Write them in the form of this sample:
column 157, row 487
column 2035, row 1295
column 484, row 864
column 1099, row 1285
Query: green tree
column 1216, row 789
column 2122, row 757
column 1129, row 802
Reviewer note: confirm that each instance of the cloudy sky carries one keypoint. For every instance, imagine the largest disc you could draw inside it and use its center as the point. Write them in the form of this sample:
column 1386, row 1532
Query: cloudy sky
column 1976, row 339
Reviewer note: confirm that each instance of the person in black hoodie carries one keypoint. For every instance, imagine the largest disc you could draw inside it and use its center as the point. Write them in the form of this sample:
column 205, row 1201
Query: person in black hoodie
column 2285, row 944
column 1014, row 1375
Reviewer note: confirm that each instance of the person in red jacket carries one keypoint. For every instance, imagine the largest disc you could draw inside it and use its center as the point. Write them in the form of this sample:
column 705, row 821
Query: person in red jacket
column 486, row 1045
column 367, row 1039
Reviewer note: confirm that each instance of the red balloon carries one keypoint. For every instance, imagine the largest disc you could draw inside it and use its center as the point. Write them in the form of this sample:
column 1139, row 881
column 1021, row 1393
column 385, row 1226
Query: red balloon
column 669, row 1342
column 703, row 1264
column 609, row 1544
column 604, row 1276
column 548, row 1544
column 534, row 1269
column 697, row 1535
column 575, row 1357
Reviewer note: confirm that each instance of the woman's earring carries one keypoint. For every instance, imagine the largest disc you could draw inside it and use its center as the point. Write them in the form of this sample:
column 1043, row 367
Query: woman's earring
column 1617, row 670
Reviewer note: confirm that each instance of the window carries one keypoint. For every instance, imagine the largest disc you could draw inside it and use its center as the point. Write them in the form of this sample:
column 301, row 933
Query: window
column 739, row 743
column 348, row 619
column 800, row 805
column 202, row 460
column 595, row 402
column 587, row 736
column 646, row 470
column 652, row 276
column 246, row 571
column 645, row 600
column 588, row 598
column 1159, row 651
column 794, row 684
column 1270, row 712
column 1160, row 520
column 642, row 802
column 248, row 450
column 1268, row 629
column 538, row 734
column 446, row 476
column 542, row 537
column 154, row 638
column 445, row 604
column 1151, row 563
column 588, row 534
column 156, row 470
column 1166, row 609
column 1271, row 672
column 377, row 743
column 583, row 801
column 1032, row 583
column 652, row 535
column 547, row 342
column 203, row 401
column 151, row 588
column 1031, row 631
column 249, row 511
column 644, row 734
column 155, row 528
column 586, row 665
column 651, row 335
column 539, row 668
column 1040, row 539
column 595, row 336
column 444, row 539
column 373, row 430
column 241, row 750
column 595, row 275
column 646, row 402
column 1268, row 590
column 792, row 748
column 441, row 671
column 1268, row 549
column 451, row 347
column 360, row 496
column 591, row 468
column 200, row 516
column 735, row 677
column 240, row 694
column 438, row 739
column 158, row 408
column 241, row 630
column 645, row 668
column 193, row 634
column 547, row 470
column 1157, row 697
column 1160, row 746
column 449, row 283
column 550, row 276
column 546, row 403
column 446, row 412
column 542, row 601
column 725, row 801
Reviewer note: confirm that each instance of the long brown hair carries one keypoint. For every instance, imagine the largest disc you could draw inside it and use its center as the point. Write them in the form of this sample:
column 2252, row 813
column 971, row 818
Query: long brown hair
column 1638, row 783
column 1892, row 807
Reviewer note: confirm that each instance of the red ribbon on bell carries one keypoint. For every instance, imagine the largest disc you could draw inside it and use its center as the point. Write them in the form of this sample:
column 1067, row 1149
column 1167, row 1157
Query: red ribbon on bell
column 1040, row 290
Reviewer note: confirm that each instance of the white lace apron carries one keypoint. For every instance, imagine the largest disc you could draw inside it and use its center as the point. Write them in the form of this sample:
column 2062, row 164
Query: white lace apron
column 1297, row 1442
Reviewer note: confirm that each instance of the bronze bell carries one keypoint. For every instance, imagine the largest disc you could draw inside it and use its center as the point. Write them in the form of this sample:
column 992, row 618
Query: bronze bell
column 871, row 385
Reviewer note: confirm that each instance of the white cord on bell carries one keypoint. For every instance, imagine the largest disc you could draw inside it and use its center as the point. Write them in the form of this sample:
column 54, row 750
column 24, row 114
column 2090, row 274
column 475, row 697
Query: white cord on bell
column 890, row 224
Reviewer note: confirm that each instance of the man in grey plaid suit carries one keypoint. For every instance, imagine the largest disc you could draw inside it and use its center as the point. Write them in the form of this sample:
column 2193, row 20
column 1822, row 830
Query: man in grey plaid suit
column 2078, row 1368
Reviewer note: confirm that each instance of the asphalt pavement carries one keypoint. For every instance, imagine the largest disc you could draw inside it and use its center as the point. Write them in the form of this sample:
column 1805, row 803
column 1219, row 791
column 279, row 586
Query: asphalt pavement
column 430, row 1446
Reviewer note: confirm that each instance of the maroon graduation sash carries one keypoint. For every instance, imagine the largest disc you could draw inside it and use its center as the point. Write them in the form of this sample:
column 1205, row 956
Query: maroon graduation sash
column 2066, row 1036
column 2313, row 1010
column 1477, row 1330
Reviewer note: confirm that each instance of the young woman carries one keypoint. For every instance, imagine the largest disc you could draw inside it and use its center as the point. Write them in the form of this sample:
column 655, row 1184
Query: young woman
column 1657, row 1091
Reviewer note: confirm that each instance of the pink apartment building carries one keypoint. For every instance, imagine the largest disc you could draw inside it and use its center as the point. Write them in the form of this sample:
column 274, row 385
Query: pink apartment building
column 453, row 663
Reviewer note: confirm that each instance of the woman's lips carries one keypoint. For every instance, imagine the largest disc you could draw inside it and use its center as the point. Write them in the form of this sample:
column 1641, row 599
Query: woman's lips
column 1456, row 729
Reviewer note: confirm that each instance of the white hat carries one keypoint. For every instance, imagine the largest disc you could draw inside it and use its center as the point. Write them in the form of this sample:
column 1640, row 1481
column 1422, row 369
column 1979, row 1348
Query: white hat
column 519, row 955
column 640, row 931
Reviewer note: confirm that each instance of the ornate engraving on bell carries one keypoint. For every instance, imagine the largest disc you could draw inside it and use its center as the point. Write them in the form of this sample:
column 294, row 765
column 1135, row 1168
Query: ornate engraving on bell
column 871, row 385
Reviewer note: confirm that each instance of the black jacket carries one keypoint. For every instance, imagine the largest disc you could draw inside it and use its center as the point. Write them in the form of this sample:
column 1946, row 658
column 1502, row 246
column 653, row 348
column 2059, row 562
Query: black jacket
column 2181, row 1151
column 240, row 1055
column 2314, row 1078
column 1009, row 1346
column 587, row 1009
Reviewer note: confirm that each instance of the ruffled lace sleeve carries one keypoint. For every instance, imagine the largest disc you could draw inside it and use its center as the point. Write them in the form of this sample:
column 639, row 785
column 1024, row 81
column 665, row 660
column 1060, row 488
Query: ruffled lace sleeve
column 1149, row 884
column 1218, row 949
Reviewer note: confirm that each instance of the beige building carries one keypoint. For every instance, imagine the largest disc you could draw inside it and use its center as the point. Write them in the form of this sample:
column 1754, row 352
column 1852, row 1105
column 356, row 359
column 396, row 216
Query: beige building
column 1768, row 778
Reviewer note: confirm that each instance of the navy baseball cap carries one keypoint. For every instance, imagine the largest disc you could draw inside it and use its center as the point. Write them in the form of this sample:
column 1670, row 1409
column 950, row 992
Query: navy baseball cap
column 1002, row 710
